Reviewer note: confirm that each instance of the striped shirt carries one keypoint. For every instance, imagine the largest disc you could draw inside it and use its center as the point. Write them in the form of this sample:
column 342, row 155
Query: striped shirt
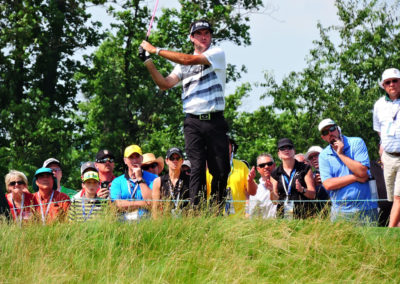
column 387, row 122
column 83, row 209
column 204, row 85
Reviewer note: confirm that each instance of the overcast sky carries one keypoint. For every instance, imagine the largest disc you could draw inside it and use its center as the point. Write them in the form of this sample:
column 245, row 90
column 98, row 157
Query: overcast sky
column 280, row 42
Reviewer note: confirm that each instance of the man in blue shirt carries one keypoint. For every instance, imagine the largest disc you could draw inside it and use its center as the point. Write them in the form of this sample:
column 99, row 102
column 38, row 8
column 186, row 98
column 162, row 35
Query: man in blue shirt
column 344, row 165
column 131, row 191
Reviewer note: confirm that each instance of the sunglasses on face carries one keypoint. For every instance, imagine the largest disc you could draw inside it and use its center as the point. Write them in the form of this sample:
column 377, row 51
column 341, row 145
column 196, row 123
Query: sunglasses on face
column 55, row 170
column 283, row 148
column 325, row 132
column 265, row 164
column 13, row 183
column 146, row 167
column 387, row 83
column 105, row 160
column 174, row 159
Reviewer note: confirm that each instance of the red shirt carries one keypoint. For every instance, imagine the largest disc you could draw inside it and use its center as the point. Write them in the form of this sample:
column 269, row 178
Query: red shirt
column 58, row 207
column 28, row 206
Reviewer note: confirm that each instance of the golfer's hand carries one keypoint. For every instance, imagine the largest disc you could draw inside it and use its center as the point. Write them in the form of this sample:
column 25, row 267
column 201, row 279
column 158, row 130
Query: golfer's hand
column 143, row 54
column 148, row 47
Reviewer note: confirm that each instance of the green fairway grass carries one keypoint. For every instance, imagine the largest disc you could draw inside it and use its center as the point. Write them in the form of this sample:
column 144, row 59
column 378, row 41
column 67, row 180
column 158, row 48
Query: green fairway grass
column 199, row 250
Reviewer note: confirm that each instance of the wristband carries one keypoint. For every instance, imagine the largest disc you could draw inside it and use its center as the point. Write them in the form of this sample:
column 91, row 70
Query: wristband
column 158, row 50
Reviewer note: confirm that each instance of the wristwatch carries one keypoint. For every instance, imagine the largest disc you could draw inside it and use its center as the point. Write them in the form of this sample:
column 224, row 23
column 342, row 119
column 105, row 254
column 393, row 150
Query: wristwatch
column 140, row 181
column 304, row 190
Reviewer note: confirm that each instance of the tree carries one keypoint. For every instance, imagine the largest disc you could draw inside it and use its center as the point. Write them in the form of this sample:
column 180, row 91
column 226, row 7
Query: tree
column 37, row 90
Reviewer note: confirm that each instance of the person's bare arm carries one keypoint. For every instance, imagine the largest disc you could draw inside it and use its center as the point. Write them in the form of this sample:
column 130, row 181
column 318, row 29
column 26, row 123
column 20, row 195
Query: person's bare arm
column 310, row 190
column 164, row 83
column 251, row 184
column 177, row 57
column 274, row 191
column 126, row 205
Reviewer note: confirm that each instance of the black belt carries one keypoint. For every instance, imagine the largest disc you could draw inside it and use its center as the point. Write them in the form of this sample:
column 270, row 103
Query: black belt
column 207, row 116
column 394, row 154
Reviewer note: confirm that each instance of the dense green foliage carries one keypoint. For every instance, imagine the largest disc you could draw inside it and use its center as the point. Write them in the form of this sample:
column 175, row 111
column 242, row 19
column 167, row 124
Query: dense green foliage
column 41, row 80
column 199, row 250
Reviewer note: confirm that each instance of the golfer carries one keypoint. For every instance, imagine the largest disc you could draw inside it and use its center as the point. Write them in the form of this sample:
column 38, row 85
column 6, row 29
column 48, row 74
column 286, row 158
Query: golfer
column 202, row 75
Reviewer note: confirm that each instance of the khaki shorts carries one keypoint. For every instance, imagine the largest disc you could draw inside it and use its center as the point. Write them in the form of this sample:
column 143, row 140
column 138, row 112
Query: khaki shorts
column 391, row 172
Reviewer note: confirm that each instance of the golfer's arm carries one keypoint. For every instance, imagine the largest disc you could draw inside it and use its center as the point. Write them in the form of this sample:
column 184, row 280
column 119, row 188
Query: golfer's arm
column 164, row 83
column 183, row 58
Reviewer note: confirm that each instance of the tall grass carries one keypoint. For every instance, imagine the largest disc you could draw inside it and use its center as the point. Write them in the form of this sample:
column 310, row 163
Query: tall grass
column 199, row 250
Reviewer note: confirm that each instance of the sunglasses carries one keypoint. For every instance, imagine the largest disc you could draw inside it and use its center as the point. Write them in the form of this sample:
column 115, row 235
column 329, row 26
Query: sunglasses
column 105, row 160
column 327, row 131
column 387, row 83
column 20, row 182
column 146, row 167
column 55, row 170
column 265, row 164
column 175, row 159
column 283, row 148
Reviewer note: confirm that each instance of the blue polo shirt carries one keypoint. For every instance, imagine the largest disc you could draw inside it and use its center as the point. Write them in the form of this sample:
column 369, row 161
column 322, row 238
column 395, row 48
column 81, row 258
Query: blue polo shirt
column 331, row 166
column 119, row 188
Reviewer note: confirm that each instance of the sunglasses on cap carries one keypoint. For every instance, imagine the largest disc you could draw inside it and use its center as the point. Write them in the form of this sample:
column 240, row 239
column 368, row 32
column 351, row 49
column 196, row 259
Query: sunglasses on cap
column 287, row 147
column 388, row 82
column 20, row 182
column 325, row 132
column 265, row 164
column 105, row 160
column 146, row 167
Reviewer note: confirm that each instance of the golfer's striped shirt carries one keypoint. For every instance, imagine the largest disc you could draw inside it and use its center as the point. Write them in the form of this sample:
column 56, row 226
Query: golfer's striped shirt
column 204, row 85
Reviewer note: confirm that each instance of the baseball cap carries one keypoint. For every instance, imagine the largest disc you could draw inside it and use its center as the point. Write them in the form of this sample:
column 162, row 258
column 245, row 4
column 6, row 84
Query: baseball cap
column 311, row 150
column 43, row 170
column 51, row 161
column 174, row 150
column 132, row 149
column 388, row 74
column 324, row 123
column 187, row 163
column 90, row 175
column 88, row 165
column 104, row 153
column 285, row 142
column 200, row 25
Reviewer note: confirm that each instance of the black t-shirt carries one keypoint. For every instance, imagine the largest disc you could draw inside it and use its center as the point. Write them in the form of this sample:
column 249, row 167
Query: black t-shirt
column 301, row 209
column 178, row 192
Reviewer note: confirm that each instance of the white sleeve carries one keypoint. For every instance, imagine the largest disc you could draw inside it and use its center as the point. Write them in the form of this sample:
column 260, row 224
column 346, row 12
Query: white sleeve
column 376, row 124
column 216, row 57
column 177, row 71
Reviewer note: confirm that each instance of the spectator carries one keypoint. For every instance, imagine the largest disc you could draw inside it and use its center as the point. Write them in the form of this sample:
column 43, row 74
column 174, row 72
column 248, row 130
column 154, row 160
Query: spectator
column 85, row 205
column 291, row 181
column 202, row 76
column 20, row 200
column 173, row 186
column 301, row 158
column 321, row 194
column 53, row 205
column 105, row 163
column 55, row 166
column 261, row 204
column 186, row 167
column 131, row 191
column 238, row 184
column 152, row 165
column 344, row 167
column 387, row 124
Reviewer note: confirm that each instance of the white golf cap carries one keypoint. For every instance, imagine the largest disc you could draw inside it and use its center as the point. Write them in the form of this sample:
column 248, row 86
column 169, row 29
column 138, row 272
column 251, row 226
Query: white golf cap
column 388, row 74
column 324, row 123
column 312, row 150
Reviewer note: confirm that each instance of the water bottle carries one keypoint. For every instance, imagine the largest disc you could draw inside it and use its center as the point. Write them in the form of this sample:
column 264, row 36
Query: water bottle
column 288, row 209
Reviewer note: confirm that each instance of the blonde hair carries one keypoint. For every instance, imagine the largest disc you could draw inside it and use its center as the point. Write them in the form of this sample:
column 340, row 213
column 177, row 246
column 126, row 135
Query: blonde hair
column 14, row 173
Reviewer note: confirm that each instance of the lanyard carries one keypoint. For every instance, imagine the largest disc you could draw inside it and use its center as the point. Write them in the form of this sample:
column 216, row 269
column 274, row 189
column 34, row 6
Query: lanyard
column 171, row 191
column 22, row 207
column 48, row 206
column 85, row 217
column 287, row 185
column 134, row 190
